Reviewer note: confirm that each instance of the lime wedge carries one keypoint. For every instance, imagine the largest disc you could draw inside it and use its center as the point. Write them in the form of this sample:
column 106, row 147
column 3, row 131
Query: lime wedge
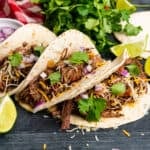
column 147, row 66
column 8, row 114
column 125, row 4
column 134, row 49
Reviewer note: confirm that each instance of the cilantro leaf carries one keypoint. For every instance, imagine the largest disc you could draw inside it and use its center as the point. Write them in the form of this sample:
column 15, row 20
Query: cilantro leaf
column 118, row 88
column 54, row 77
column 83, row 10
column 133, row 69
column 125, row 15
column 92, row 108
column 91, row 23
column 97, row 18
column 38, row 50
column 79, row 57
column 84, row 105
column 15, row 59
column 130, row 29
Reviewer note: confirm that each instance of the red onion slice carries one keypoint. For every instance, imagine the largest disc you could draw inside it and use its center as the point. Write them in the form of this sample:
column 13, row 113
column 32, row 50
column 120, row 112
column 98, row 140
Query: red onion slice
column 39, row 103
column 29, row 59
column 84, row 96
column 7, row 31
column 2, row 36
column 124, row 73
column 98, row 87
column 2, row 39
column 88, row 69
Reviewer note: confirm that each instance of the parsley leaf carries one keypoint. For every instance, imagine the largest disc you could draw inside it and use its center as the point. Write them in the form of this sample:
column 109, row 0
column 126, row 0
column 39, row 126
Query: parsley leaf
column 133, row 69
column 118, row 88
column 38, row 50
column 54, row 77
column 15, row 59
column 79, row 57
column 92, row 108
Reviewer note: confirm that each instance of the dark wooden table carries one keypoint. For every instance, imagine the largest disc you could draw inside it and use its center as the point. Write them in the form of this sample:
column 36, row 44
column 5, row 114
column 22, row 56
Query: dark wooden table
column 32, row 131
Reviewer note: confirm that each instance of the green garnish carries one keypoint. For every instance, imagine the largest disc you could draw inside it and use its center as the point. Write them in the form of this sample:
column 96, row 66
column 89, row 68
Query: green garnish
column 15, row 59
column 118, row 88
column 92, row 108
column 133, row 69
column 54, row 77
column 38, row 50
column 96, row 18
column 79, row 57
column 130, row 29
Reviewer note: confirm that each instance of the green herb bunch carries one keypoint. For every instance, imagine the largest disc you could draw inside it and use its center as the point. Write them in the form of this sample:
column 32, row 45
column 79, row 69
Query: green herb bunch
column 96, row 18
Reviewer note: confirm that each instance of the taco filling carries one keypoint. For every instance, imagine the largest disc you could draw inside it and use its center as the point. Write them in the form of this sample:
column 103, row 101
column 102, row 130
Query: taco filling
column 107, row 98
column 60, row 76
column 15, row 67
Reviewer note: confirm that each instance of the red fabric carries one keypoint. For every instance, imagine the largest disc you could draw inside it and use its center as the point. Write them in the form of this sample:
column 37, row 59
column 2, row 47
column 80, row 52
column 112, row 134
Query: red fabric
column 23, row 10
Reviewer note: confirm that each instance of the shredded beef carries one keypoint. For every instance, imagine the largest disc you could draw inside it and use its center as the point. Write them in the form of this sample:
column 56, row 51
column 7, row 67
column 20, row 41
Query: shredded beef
column 72, row 74
column 34, row 93
column 30, row 95
column 65, row 114
column 26, row 97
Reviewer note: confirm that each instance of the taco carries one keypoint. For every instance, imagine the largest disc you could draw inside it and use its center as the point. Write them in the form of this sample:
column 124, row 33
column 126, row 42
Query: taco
column 71, row 59
column 121, row 98
column 19, row 53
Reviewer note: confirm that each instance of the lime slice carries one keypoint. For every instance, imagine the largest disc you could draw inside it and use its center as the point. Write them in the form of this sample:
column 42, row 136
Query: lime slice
column 125, row 4
column 134, row 49
column 8, row 114
column 147, row 66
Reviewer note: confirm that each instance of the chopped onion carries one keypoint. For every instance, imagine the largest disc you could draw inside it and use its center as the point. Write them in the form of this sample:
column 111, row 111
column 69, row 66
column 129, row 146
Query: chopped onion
column 84, row 96
column 39, row 103
column 98, row 87
column 82, row 49
column 29, row 59
column 43, row 75
column 2, row 39
column 7, row 31
column 88, row 69
column 33, row 57
column 124, row 73
column 2, row 34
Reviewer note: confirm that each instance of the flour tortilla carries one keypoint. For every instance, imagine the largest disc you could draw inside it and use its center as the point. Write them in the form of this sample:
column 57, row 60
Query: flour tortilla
column 138, row 19
column 33, row 34
column 131, row 113
column 73, row 40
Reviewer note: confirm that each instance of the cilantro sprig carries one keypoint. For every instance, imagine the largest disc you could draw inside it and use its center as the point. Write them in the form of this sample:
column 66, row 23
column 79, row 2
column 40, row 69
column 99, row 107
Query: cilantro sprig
column 54, row 77
column 15, row 59
column 92, row 108
column 79, row 57
column 118, row 88
column 97, row 19
column 38, row 50
column 133, row 69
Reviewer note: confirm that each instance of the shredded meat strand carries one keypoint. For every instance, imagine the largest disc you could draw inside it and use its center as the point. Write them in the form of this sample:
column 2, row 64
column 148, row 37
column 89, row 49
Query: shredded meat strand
column 66, row 112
